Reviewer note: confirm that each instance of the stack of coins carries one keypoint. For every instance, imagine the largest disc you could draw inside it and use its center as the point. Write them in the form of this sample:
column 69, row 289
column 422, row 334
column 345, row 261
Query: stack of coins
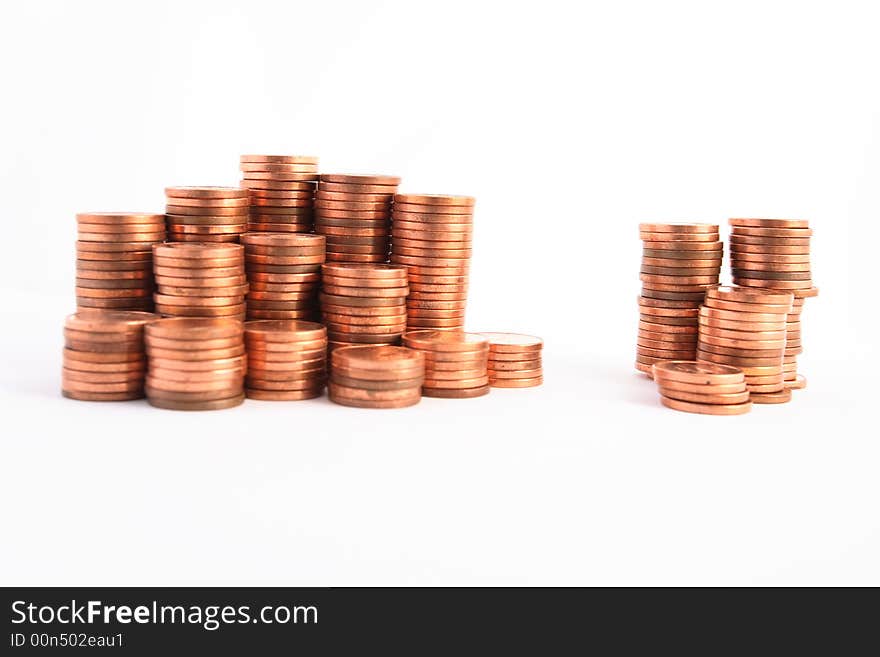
column 195, row 364
column 200, row 280
column 354, row 213
column 706, row 388
column 284, row 274
column 514, row 360
column 104, row 356
column 363, row 303
column 206, row 214
column 376, row 377
column 456, row 363
column 679, row 263
column 431, row 235
column 281, row 190
column 287, row 360
column 746, row 328
column 114, row 259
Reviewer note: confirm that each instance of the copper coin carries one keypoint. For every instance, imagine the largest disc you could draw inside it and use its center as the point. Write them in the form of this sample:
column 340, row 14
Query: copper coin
column 707, row 356
column 299, row 313
column 109, row 321
column 707, row 409
column 433, row 208
column 515, row 374
column 424, row 323
column 279, row 185
column 466, row 393
column 113, row 266
column 678, row 228
column 187, row 329
column 334, row 335
column 356, row 393
column 127, row 238
column 516, row 383
column 770, row 259
column 345, row 300
column 356, row 257
column 307, row 383
column 71, row 385
column 210, row 405
column 682, row 238
column 206, row 192
column 681, row 254
column 760, row 231
column 673, row 296
column 359, row 320
column 139, row 365
column 404, row 227
column 175, row 231
column 283, row 395
column 285, row 331
column 278, row 167
column 371, row 377
column 280, row 159
column 360, row 179
column 369, row 206
column 309, row 242
column 372, row 272
column 435, row 199
column 120, row 230
column 120, row 218
column 362, row 403
column 90, row 376
column 103, row 396
column 197, row 302
column 351, row 196
column 746, row 295
column 288, row 227
column 264, row 304
column 707, row 397
column 356, row 188
column 684, row 265
column 664, row 354
column 187, row 353
column 284, row 176
column 412, row 384
column 362, row 311
column 454, row 341
column 666, row 328
column 92, row 250
column 770, row 223
column 127, row 303
column 740, row 342
column 697, row 373
column 702, row 388
column 377, row 358
column 770, row 250
column 781, row 285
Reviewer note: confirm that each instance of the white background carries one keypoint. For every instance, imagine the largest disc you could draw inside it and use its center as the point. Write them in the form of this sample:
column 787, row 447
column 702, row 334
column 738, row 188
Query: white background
column 571, row 122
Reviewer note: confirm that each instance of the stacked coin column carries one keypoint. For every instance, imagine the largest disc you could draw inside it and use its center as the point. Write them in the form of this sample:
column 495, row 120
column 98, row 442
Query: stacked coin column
column 514, row 360
column 706, row 388
column 287, row 360
column 206, row 214
column 376, row 377
column 281, row 190
column 456, row 363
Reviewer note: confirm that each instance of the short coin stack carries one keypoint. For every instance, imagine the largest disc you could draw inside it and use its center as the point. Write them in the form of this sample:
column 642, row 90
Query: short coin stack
column 195, row 364
column 206, row 214
column 376, row 377
column 706, row 388
column 281, row 191
column 679, row 263
column 287, row 360
column 104, row 357
column 114, row 259
column 456, row 363
column 514, row 360
column 431, row 235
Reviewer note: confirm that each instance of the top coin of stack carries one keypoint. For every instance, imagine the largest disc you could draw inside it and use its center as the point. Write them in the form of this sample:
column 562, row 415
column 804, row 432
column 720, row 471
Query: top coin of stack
column 376, row 376
column 281, row 190
column 705, row 388
column 514, row 360
column 206, row 214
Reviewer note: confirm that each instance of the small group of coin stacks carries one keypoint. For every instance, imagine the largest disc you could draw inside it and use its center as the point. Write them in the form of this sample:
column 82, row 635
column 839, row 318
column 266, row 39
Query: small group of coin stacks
column 281, row 189
column 114, row 259
column 431, row 234
column 514, row 360
column 456, row 363
column 287, row 360
column 206, row 214
column 284, row 274
column 706, row 388
column 376, row 376
column 679, row 263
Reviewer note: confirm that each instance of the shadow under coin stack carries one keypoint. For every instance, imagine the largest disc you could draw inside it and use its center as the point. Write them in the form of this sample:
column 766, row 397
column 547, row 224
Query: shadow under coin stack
column 206, row 214
column 281, row 189
column 679, row 263
column 287, row 360
column 431, row 234
column 376, row 377
column 775, row 254
column 706, row 388
column 354, row 213
column 195, row 364
column 284, row 274
column 456, row 363
column 514, row 360
column 104, row 357
column 114, row 259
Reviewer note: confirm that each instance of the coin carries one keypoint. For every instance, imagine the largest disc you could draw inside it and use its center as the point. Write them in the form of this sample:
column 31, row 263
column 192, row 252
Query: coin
column 467, row 393
column 707, row 409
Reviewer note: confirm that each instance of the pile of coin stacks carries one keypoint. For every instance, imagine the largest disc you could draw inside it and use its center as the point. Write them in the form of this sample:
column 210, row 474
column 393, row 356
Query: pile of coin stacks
column 775, row 254
column 363, row 303
column 195, row 364
column 281, row 190
column 354, row 213
column 287, row 359
column 200, row 280
column 206, row 214
column 114, row 259
column 284, row 274
column 376, row 377
column 456, row 363
column 104, row 356
column 431, row 235
column 746, row 327
column 679, row 263
column 705, row 388
column 514, row 360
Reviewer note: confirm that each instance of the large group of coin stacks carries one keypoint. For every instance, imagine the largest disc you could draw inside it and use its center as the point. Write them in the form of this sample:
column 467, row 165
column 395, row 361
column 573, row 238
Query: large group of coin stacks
column 292, row 282
column 716, row 349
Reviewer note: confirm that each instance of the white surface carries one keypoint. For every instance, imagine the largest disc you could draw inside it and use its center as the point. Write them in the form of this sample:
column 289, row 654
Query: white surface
column 570, row 124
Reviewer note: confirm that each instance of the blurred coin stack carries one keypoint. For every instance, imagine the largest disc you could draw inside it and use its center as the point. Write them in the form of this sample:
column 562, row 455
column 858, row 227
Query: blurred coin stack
column 376, row 376
column 363, row 303
column 514, row 360
column 706, row 388
column 431, row 235
column 287, row 360
column 354, row 213
column 104, row 357
column 114, row 259
column 456, row 363
column 195, row 364
column 200, row 280
column 206, row 214
column 281, row 189
column 284, row 274
column 679, row 263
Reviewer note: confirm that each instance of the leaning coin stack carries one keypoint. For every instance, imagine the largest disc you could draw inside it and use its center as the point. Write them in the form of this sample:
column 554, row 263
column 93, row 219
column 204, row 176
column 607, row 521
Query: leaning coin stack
column 284, row 274
column 376, row 376
column 679, row 263
column 514, row 360
column 200, row 280
column 746, row 328
column 281, row 190
column 363, row 303
column 456, row 363
column 206, row 214
column 104, row 356
column 195, row 364
column 114, row 259
column 431, row 234
column 706, row 388
column 287, row 360
column 354, row 213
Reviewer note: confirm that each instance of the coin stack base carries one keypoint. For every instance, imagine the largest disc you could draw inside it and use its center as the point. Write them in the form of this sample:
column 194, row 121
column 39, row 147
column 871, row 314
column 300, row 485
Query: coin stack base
column 704, row 388
column 287, row 360
column 281, row 189
column 514, row 360
column 456, row 363
column 376, row 377
column 206, row 214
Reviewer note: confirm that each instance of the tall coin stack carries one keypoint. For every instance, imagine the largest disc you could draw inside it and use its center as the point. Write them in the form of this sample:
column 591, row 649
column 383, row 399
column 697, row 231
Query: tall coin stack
column 114, row 259
column 456, row 363
column 287, row 360
column 281, row 190
column 354, row 213
column 284, row 274
column 195, row 364
column 431, row 235
column 206, row 214
column 514, row 360
column 680, row 261
column 376, row 377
